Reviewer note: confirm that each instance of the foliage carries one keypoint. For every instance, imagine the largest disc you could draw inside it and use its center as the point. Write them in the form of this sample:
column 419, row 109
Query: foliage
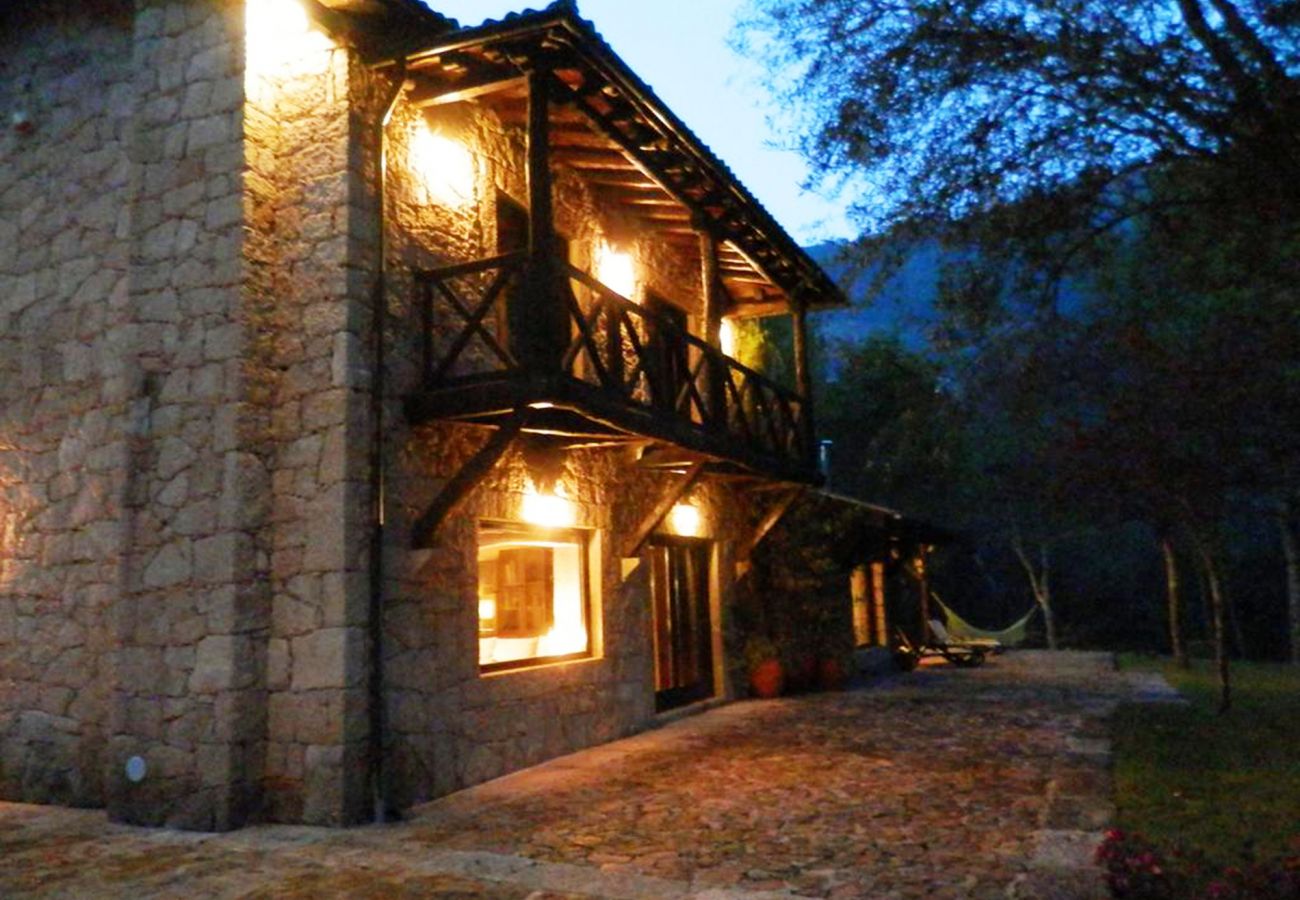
column 760, row 649
column 1138, row 870
column 895, row 432
column 1224, row 788
column 1029, row 126
column 1116, row 188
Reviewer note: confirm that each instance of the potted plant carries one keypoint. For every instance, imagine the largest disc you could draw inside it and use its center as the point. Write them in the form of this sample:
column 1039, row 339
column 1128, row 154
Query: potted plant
column 763, row 662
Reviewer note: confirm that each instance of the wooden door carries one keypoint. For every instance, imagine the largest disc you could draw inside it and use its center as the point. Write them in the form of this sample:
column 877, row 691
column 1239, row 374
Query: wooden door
column 667, row 351
column 683, row 625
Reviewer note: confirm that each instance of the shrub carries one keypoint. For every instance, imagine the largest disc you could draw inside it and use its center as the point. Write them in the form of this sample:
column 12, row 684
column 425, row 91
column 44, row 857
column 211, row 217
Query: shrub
column 1138, row 870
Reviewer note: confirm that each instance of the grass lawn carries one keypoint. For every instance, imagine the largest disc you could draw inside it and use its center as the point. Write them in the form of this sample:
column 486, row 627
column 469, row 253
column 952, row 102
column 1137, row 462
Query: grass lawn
column 1226, row 786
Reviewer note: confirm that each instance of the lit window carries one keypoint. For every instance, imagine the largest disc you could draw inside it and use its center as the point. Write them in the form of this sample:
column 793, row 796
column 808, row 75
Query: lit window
column 532, row 595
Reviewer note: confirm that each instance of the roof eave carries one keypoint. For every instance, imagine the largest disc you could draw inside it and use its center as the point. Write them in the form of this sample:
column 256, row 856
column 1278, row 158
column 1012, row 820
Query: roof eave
column 817, row 289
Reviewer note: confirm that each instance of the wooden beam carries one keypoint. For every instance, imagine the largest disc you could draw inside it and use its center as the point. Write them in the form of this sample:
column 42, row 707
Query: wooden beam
column 662, row 508
column 628, row 182
column 803, row 368
column 466, row 478
column 541, row 225
column 758, row 309
column 650, row 201
column 441, row 95
column 594, row 160
column 773, row 515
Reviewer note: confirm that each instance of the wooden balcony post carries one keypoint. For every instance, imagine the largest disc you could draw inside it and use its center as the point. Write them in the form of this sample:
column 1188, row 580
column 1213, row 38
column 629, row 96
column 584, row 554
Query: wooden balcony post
column 802, row 369
column 711, row 288
column 539, row 321
column 712, row 293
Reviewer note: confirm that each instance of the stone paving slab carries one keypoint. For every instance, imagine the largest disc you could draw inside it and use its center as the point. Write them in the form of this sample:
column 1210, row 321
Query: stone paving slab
column 970, row 783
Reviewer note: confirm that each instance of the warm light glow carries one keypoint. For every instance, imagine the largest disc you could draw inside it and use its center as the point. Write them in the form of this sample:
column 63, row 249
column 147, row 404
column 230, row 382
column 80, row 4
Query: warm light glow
column 727, row 337
column 278, row 34
column 685, row 519
column 445, row 167
column 616, row 271
column 546, row 509
column 517, row 621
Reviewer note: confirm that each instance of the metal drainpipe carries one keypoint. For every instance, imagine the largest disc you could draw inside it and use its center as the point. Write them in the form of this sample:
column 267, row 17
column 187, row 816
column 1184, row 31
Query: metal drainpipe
column 379, row 787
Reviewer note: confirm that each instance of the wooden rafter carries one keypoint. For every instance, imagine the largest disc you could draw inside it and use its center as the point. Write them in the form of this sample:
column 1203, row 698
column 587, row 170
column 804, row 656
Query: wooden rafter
column 774, row 514
column 467, row 89
column 594, row 87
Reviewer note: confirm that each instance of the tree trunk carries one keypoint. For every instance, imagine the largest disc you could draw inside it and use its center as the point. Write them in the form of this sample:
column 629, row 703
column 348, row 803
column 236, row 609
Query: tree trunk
column 1286, row 527
column 1234, row 623
column 1175, row 602
column 1215, row 588
column 1040, row 584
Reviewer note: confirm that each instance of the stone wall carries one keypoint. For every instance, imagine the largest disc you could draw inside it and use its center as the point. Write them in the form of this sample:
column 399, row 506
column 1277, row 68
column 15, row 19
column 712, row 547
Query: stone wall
column 310, row 265
column 189, row 665
column 452, row 726
column 65, row 383
column 188, row 248
column 183, row 416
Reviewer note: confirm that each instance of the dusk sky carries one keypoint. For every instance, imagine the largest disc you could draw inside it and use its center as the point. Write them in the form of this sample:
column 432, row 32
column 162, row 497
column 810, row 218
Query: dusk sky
column 711, row 88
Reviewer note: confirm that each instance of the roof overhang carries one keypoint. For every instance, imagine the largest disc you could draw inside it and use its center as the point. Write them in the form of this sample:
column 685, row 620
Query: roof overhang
column 624, row 140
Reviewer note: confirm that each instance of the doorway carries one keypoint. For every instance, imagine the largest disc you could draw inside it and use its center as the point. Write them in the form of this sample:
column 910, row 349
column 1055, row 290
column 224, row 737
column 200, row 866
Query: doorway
column 682, row 622
column 665, row 349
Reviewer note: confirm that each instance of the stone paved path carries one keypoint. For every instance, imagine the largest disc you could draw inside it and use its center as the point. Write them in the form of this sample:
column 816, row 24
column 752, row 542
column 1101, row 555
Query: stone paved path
column 991, row 782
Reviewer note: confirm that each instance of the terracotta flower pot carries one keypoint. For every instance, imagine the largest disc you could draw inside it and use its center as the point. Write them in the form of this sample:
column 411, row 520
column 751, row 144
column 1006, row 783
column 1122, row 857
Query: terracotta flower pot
column 830, row 675
column 767, row 679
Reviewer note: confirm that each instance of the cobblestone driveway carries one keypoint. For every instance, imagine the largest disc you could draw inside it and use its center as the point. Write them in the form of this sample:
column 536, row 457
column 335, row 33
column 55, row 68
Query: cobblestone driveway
column 991, row 782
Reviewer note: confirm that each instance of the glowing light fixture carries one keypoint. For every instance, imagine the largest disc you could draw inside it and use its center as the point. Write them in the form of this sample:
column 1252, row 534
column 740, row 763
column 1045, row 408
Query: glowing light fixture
column 727, row 337
column 616, row 271
column 685, row 519
column 445, row 167
column 550, row 510
column 276, row 32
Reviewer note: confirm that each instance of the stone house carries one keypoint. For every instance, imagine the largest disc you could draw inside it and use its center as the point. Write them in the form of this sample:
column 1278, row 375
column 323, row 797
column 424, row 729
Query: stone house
column 366, row 425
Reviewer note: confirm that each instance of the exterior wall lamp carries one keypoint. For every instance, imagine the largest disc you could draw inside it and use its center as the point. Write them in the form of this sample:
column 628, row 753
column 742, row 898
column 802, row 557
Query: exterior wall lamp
column 727, row 337
column 616, row 270
column 685, row 519
column 547, row 508
column 545, row 502
column 278, row 35
column 445, row 167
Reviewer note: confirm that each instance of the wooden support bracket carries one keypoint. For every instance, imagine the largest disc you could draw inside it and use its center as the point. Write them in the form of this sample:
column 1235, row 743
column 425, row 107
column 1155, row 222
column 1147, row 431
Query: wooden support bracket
column 773, row 515
column 468, row 476
column 662, row 508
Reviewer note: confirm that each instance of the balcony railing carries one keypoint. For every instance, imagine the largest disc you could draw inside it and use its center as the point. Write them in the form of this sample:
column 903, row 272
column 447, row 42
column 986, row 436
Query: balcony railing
column 586, row 348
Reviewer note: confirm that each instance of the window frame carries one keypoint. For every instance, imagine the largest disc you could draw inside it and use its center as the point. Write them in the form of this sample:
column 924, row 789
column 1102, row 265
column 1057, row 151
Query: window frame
column 565, row 534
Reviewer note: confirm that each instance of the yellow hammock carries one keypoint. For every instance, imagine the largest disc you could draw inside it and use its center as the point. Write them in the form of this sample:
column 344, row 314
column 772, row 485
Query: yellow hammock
column 1010, row 636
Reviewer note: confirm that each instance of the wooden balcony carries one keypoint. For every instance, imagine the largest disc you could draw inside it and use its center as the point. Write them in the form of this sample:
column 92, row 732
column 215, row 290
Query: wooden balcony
column 520, row 334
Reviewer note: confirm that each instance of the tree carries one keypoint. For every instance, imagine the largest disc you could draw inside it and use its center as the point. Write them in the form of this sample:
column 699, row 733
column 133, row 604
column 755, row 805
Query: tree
column 940, row 109
column 894, row 429
column 1148, row 150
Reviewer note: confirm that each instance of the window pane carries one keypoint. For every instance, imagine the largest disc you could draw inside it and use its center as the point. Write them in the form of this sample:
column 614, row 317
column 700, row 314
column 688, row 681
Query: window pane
column 532, row 594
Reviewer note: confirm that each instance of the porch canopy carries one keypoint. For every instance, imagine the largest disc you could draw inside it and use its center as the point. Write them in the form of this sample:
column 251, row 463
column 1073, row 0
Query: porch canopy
column 607, row 369
column 608, row 125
